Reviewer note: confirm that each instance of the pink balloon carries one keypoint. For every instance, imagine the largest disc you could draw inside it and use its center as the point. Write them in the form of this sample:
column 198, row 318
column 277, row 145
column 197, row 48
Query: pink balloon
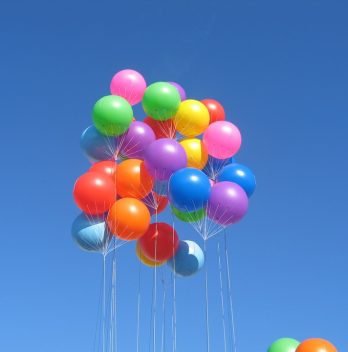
column 128, row 84
column 222, row 139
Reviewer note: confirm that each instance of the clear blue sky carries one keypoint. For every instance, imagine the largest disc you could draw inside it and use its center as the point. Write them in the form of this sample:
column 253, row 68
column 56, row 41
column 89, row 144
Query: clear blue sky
column 279, row 68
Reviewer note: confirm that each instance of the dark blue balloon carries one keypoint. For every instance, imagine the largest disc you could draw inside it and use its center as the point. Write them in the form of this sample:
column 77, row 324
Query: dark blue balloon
column 161, row 187
column 98, row 147
column 188, row 259
column 214, row 166
column 239, row 174
column 189, row 189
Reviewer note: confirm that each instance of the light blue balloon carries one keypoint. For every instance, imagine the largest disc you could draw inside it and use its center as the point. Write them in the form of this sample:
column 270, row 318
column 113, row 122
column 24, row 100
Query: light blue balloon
column 98, row 147
column 240, row 174
column 91, row 233
column 189, row 189
column 188, row 259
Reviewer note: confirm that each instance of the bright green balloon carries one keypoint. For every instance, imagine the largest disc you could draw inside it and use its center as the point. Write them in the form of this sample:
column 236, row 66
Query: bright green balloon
column 284, row 345
column 190, row 216
column 161, row 101
column 112, row 115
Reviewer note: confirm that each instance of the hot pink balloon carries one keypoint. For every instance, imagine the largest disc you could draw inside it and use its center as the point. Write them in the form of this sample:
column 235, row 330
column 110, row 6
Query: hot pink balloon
column 222, row 139
column 128, row 84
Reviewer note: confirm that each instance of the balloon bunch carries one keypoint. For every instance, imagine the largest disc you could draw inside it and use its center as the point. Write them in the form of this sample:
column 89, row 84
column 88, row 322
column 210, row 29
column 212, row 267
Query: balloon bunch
column 141, row 166
column 310, row 345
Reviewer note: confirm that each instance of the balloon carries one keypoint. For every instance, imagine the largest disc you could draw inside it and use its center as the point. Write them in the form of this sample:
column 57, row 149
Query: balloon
column 138, row 137
column 284, row 345
column 162, row 129
column 189, row 189
column 192, row 118
column 192, row 216
column 239, row 174
column 98, row 147
column 222, row 139
column 132, row 179
column 112, row 115
column 163, row 157
column 94, row 193
column 128, row 219
column 144, row 259
column 227, row 204
column 316, row 345
column 128, row 84
column 106, row 167
column 161, row 101
column 214, row 166
column 161, row 187
column 156, row 203
column 160, row 242
column 188, row 259
column 216, row 110
column 90, row 233
column 197, row 155
column 180, row 89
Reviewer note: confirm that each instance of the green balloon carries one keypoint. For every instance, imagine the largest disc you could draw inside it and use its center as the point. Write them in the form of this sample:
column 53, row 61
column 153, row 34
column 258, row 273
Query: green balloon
column 284, row 345
column 161, row 101
column 112, row 115
column 190, row 216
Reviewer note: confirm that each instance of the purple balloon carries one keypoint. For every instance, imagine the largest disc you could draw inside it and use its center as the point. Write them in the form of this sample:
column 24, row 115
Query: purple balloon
column 180, row 90
column 138, row 137
column 163, row 157
column 227, row 204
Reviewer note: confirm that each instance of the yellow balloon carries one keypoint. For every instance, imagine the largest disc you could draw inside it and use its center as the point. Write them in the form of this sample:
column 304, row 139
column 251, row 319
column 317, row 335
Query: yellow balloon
column 145, row 260
column 192, row 118
column 197, row 155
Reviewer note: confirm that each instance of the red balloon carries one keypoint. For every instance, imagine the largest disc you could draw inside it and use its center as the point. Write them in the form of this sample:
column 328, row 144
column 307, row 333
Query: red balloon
column 106, row 167
column 216, row 110
column 94, row 193
column 162, row 129
column 160, row 242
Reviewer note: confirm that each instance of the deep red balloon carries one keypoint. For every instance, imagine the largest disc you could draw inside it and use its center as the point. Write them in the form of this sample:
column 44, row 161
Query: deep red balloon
column 216, row 110
column 94, row 193
column 160, row 242
column 162, row 129
column 106, row 167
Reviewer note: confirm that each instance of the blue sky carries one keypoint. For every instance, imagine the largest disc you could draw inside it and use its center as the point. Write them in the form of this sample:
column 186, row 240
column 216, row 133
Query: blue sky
column 280, row 70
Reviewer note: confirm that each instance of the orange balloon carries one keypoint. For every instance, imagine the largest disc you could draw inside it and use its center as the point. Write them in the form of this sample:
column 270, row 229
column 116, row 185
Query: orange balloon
column 128, row 219
column 133, row 180
column 316, row 345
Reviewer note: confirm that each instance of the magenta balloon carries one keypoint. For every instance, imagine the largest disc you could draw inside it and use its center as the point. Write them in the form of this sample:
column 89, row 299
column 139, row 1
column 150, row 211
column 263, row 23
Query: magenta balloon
column 163, row 157
column 180, row 90
column 222, row 139
column 138, row 137
column 227, row 204
column 128, row 84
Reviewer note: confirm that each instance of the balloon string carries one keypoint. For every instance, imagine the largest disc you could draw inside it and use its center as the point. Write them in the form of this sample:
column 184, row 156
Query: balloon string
column 104, row 305
column 206, row 299
column 174, row 290
column 222, row 297
column 230, row 295
column 139, row 302
column 163, row 313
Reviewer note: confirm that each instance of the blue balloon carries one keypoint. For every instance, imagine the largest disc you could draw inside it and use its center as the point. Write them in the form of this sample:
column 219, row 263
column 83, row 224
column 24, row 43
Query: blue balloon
column 214, row 166
column 188, row 259
column 91, row 233
column 189, row 189
column 98, row 147
column 239, row 174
